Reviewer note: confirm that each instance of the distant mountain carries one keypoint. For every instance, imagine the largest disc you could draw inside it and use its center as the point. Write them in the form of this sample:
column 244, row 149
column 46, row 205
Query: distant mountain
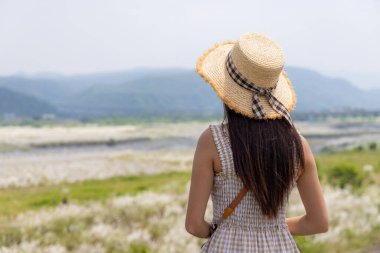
column 18, row 104
column 316, row 92
column 153, row 94
column 162, row 92
column 57, row 88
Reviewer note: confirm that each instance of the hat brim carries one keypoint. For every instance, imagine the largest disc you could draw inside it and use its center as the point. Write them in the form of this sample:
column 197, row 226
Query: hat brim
column 211, row 66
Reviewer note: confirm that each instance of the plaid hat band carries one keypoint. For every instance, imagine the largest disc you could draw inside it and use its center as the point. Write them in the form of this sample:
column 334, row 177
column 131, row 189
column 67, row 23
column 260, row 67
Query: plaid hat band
column 257, row 108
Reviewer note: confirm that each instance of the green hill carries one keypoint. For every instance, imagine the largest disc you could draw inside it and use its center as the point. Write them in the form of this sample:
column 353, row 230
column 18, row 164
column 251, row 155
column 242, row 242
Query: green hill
column 19, row 104
column 162, row 92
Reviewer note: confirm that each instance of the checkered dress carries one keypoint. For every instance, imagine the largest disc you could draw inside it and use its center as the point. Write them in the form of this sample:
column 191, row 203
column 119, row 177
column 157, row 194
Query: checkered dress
column 246, row 229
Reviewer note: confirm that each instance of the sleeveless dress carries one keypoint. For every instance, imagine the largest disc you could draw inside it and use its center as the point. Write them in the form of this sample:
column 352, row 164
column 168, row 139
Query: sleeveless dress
column 246, row 229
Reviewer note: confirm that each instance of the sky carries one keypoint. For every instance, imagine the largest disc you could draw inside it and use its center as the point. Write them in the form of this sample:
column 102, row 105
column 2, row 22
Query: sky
column 338, row 38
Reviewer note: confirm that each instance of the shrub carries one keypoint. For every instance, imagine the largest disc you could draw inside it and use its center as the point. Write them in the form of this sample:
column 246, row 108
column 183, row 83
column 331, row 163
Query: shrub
column 135, row 247
column 327, row 150
column 377, row 168
column 372, row 146
column 345, row 174
column 111, row 142
column 305, row 244
column 10, row 236
column 359, row 148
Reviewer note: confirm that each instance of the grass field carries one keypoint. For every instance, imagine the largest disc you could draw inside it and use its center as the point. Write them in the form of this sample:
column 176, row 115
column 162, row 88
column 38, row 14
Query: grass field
column 15, row 200
column 134, row 200
column 33, row 205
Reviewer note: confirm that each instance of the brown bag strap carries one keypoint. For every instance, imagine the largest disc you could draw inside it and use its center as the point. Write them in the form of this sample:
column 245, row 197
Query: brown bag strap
column 235, row 202
column 229, row 209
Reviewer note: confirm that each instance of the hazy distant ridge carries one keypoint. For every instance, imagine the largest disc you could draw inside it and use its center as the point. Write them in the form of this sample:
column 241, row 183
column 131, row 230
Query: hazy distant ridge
column 164, row 92
column 16, row 103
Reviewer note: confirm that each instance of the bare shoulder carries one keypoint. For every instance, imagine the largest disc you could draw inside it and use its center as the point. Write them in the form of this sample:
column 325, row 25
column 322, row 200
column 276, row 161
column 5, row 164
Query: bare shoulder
column 306, row 148
column 205, row 139
column 308, row 155
column 207, row 148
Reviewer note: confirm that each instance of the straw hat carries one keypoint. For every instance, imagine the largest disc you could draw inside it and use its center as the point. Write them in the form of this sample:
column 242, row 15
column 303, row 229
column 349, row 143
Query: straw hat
column 260, row 62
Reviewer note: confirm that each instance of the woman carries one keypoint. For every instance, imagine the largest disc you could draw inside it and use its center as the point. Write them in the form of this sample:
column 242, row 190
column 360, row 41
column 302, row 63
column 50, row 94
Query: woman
column 251, row 163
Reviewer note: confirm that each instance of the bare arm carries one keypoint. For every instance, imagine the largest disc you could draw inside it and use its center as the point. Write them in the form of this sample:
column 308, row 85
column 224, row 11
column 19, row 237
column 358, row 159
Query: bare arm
column 316, row 218
column 201, row 186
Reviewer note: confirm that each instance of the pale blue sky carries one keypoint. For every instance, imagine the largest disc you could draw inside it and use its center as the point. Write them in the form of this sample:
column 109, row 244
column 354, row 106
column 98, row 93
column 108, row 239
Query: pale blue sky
column 337, row 38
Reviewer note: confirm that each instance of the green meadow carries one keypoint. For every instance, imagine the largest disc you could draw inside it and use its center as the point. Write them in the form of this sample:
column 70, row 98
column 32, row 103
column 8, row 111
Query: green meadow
column 17, row 200
column 131, row 197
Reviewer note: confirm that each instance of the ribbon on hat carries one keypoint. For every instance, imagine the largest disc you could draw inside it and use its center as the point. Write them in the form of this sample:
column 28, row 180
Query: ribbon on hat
column 257, row 108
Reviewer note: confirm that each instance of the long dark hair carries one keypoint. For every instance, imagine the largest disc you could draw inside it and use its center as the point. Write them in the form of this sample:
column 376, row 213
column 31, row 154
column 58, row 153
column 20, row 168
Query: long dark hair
column 266, row 154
